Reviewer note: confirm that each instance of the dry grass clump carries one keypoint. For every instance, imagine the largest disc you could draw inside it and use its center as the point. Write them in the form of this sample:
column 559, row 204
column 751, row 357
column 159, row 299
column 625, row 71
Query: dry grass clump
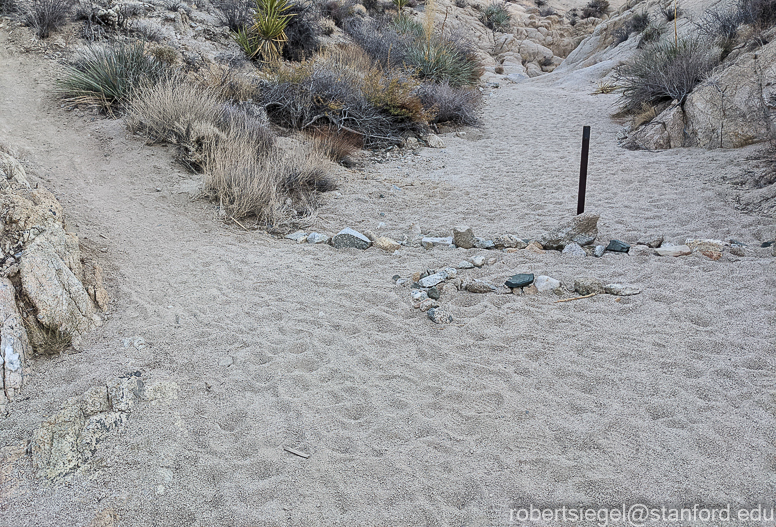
column 449, row 104
column 244, row 169
column 496, row 17
column 46, row 16
column 336, row 145
column 595, row 9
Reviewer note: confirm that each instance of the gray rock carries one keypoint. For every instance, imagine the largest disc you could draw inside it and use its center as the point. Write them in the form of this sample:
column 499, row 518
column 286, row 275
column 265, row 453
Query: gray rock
column 480, row 286
column 482, row 243
column 298, row 236
column 439, row 316
column 348, row 237
column 463, row 237
column 621, row 290
column 465, row 265
column 433, row 293
column 545, row 284
column 673, row 250
column 432, row 280
column 450, row 272
column 599, row 251
column 434, row 141
column 12, row 171
column 316, row 237
column 617, row 246
column 738, row 250
column 478, row 261
column 573, row 249
column 652, row 241
column 418, row 295
column 588, row 286
column 582, row 229
column 429, row 242
column 508, row 241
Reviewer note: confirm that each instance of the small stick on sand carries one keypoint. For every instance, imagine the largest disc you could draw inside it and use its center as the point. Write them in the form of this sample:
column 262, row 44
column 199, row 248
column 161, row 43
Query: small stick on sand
column 576, row 298
column 296, row 452
column 238, row 223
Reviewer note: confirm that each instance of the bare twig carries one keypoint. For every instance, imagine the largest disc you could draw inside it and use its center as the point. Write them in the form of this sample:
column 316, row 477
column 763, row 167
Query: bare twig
column 576, row 298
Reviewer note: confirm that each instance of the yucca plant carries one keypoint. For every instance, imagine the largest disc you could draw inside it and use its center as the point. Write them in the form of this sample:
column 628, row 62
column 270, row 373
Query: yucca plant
column 107, row 75
column 269, row 29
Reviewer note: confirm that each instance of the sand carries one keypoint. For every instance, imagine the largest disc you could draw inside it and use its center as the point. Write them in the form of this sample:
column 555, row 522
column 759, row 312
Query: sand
column 664, row 398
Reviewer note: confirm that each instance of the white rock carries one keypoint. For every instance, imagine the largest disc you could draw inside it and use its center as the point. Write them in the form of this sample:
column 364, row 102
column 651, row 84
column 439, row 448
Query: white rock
column 316, row 237
column 298, row 236
column 573, row 249
column 432, row 280
column 545, row 283
column 673, row 250
column 434, row 141
column 621, row 290
column 463, row 264
column 478, row 261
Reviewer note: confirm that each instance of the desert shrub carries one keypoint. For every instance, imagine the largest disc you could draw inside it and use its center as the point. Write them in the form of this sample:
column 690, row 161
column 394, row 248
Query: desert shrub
column 670, row 11
column 406, row 25
column 46, row 16
column 638, row 22
column 108, row 75
column 461, row 4
column 441, row 60
column 8, row 7
column 496, row 17
column 650, row 34
column 449, row 104
column 408, row 44
column 719, row 25
column 339, row 10
column 346, row 89
column 302, row 31
column 665, row 71
column 244, row 171
column 148, row 30
column 759, row 13
column 620, row 35
column 235, row 14
column 540, row 3
column 228, row 82
column 595, row 9
column 573, row 16
column 547, row 11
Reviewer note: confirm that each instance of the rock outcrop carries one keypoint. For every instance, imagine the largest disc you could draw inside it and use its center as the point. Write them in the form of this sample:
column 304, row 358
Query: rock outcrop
column 47, row 291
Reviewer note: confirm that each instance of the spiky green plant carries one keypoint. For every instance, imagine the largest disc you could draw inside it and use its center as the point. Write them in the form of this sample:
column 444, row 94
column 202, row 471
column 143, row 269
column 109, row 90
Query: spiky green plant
column 269, row 28
column 108, row 75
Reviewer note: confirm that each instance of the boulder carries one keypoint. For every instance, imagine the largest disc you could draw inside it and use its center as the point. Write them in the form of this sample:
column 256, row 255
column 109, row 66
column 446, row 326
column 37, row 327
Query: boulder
column 581, row 229
column 12, row 172
column 665, row 131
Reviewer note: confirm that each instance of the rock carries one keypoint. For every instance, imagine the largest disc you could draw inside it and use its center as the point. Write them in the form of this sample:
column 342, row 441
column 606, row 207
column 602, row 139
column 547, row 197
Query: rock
column 402, row 281
column 581, row 229
column 427, row 304
column 316, row 237
column 12, row 171
column 573, row 249
column 737, row 250
column 480, row 286
column 386, row 244
column 14, row 346
column 433, row 293
column 438, row 316
column 599, row 251
column 434, row 141
column 68, row 439
column 701, row 245
column 465, row 265
column 618, row 246
column 673, row 250
column 298, row 236
column 94, row 284
column 481, row 243
column 587, row 286
column 463, row 237
column 61, row 302
column 509, row 241
column 530, row 290
column 418, row 295
column 712, row 255
column 545, row 284
column 535, row 247
column 429, row 242
column 519, row 280
column 620, row 290
column 348, row 237
column 450, row 272
column 432, row 280
column 478, row 261
column 664, row 131
column 652, row 241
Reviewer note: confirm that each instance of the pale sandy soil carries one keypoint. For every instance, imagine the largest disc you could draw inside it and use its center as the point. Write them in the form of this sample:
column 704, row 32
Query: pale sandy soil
column 665, row 397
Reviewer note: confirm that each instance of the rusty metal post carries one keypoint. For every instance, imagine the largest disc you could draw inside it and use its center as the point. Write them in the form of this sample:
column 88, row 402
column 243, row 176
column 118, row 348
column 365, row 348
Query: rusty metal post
column 583, row 170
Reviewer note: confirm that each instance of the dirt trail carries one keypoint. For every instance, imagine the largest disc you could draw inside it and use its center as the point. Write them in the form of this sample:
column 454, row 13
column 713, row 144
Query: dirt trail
column 663, row 397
